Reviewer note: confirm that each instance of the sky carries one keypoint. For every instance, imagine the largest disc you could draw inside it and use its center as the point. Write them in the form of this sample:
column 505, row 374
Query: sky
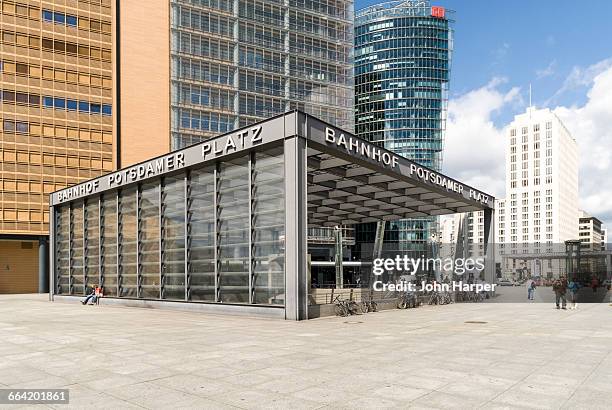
column 563, row 49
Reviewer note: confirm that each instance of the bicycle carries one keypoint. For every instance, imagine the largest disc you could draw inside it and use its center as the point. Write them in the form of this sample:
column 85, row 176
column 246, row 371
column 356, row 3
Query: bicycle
column 368, row 305
column 477, row 297
column 438, row 298
column 407, row 300
column 345, row 307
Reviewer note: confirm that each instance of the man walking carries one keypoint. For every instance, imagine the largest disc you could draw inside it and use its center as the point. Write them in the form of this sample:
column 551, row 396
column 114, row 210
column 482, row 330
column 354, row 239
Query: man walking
column 560, row 287
column 530, row 284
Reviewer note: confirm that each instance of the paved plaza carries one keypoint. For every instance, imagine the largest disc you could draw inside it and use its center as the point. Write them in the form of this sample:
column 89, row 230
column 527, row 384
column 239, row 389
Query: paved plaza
column 456, row 356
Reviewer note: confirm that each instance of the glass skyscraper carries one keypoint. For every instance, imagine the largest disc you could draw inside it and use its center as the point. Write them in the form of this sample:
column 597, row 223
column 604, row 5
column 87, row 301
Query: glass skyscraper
column 402, row 71
column 235, row 62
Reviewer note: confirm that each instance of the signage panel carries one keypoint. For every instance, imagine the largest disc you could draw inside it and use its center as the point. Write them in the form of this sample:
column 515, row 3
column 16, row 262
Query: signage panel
column 438, row 12
column 241, row 140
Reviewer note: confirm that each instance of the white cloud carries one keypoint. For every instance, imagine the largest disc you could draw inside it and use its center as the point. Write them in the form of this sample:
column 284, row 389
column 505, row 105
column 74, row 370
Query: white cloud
column 580, row 77
column 548, row 71
column 591, row 126
column 474, row 146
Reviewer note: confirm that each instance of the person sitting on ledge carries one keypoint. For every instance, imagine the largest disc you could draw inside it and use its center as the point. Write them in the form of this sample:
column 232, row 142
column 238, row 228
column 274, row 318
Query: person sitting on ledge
column 92, row 295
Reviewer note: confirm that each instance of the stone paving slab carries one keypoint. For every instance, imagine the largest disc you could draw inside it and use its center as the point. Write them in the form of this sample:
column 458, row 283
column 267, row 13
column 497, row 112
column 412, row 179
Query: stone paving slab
column 522, row 356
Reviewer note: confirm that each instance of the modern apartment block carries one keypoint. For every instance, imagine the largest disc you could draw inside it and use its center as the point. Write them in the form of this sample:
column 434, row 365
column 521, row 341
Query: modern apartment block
column 402, row 70
column 590, row 233
column 205, row 67
column 56, row 114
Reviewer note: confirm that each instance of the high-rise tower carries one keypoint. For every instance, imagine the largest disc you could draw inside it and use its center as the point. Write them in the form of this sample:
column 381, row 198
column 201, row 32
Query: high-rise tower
column 402, row 71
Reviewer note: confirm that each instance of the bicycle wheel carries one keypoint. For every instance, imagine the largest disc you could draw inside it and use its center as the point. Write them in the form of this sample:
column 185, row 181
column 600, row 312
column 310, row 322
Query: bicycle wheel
column 401, row 304
column 364, row 307
column 353, row 308
column 373, row 306
column 340, row 310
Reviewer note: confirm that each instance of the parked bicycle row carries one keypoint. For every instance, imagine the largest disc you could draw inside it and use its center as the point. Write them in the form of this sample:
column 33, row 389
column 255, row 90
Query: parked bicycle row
column 405, row 300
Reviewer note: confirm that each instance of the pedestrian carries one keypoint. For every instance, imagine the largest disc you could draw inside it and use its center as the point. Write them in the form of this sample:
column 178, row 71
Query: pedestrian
column 573, row 288
column 594, row 283
column 530, row 289
column 533, row 289
column 560, row 287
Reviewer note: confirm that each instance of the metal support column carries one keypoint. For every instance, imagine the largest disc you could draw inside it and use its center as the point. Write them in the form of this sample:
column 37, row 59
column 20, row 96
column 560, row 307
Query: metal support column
column 338, row 257
column 251, row 232
column 52, row 250
column 117, row 244
column 43, row 267
column 217, row 229
column 489, row 245
column 70, row 248
column 296, row 248
column 85, row 247
column 186, row 232
column 100, row 239
column 161, row 232
column 138, row 243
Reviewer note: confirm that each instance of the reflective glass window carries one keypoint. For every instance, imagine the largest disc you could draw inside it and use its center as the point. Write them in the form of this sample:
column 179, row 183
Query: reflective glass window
column 234, row 232
column 173, row 237
column 148, row 250
column 127, row 243
column 92, row 243
column 62, row 250
column 269, row 228
column 108, row 237
column 76, row 245
column 201, row 219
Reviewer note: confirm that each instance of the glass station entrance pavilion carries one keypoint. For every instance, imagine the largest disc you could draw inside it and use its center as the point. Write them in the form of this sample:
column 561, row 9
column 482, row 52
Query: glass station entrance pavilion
column 221, row 226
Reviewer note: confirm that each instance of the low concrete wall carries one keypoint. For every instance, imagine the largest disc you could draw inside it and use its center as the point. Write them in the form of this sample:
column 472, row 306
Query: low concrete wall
column 217, row 309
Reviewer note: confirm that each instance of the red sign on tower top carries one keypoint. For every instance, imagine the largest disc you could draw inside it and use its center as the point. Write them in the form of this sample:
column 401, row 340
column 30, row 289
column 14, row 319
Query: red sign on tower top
column 438, row 12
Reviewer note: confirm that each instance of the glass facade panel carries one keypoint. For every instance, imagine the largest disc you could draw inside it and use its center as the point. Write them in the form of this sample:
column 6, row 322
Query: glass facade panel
column 149, row 241
column 173, row 237
column 201, row 231
column 268, row 219
column 108, row 237
column 213, row 234
column 76, row 245
column 62, row 250
column 92, row 243
column 233, row 230
column 127, row 243
column 258, row 50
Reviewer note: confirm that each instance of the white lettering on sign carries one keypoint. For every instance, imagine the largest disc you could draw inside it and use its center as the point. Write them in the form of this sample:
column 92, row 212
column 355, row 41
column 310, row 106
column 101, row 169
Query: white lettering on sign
column 78, row 191
column 479, row 196
column 449, row 184
column 146, row 170
column 232, row 142
column 353, row 144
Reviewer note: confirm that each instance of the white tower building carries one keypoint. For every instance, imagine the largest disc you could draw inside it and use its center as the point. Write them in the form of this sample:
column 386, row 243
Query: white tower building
column 540, row 211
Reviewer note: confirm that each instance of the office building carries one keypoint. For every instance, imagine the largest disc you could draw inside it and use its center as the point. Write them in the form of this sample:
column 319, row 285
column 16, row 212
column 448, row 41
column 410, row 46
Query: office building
column 221, row 226
column 590, row 234
column 402, row 71
column 540, row 210
column 202, row 68
column 56, row 116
